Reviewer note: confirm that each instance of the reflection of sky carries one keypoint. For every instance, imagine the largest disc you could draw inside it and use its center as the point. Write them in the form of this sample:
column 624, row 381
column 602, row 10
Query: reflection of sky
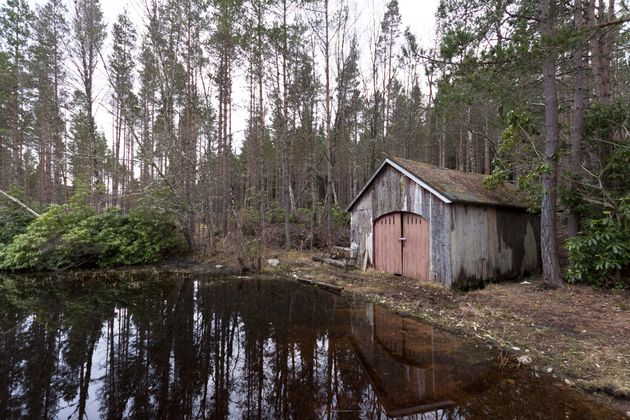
column 365, row 359
column 237, row 404
column 69, row 409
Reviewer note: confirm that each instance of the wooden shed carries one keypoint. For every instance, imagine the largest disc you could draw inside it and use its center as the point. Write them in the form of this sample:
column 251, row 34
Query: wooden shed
column 438, row 224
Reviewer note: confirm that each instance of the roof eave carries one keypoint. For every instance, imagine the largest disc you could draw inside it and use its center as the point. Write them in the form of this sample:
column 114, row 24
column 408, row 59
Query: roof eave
column 443, row 197
column 501, row 205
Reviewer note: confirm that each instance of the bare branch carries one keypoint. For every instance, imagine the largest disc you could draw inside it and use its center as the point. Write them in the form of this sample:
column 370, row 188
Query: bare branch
column 520, row 16
column 15, row 200
column 619, row 21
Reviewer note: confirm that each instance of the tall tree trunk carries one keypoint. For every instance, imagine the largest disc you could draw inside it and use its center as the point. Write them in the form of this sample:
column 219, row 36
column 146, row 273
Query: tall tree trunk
column 329, row 164
column 595, row 47
column 429, row 119
column 261, row 125
column 117, row 130
column 578, row 113
column 285, row 134
column 486, row 150
column 549, row 228
column 606, row 38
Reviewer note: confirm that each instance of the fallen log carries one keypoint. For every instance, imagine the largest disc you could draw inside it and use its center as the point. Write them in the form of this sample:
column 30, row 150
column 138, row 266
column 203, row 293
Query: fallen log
column 330, row 261
column 342, row 252
column 327, row 286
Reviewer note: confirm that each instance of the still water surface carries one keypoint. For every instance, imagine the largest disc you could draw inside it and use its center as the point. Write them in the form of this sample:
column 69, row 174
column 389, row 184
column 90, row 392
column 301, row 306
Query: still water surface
column 144, row 346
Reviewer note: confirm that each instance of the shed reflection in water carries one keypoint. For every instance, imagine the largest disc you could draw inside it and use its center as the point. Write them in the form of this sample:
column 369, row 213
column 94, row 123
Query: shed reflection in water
column 180, row 348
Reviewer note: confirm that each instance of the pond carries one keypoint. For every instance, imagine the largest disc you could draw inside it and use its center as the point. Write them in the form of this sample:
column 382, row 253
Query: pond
column 178, row 346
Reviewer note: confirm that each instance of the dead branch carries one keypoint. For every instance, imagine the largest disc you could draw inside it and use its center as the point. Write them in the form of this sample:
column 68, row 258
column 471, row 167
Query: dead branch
column 15, row 200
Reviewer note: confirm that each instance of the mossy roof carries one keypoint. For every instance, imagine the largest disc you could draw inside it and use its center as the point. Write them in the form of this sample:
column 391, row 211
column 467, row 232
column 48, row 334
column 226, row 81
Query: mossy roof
column 452, row 186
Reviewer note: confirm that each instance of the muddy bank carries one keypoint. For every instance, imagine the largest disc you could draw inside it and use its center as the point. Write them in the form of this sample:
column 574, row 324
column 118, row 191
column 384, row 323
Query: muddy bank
column 580, row 335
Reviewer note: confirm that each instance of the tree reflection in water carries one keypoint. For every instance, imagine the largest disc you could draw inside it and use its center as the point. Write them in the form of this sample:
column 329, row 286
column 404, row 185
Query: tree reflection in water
column 166, row 347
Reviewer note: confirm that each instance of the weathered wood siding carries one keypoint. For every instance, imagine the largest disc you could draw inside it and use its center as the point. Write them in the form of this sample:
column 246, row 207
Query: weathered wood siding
column 469, row 244
column 390, row 192
column 492, row 243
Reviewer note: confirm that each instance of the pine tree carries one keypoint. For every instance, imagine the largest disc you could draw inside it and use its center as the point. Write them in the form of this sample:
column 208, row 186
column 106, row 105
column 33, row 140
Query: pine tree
column 49, row 81
column 88, row 35
column 124, row 106
column 15, row 28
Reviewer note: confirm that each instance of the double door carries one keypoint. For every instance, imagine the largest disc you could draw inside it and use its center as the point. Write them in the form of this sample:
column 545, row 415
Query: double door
column 401, row 245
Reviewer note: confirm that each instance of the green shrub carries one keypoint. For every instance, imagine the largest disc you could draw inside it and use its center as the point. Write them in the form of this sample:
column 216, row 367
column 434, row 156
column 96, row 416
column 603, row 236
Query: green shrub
column 340, row 216
column 13, row 221
column 41, row 246
column 274, row 213
column 599, row 253
column 155, row 234
column 302, row 215
column 13, row 218
column 73, row 236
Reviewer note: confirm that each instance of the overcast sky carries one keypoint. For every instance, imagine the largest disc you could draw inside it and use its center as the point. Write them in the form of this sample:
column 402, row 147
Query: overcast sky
column 419, row 15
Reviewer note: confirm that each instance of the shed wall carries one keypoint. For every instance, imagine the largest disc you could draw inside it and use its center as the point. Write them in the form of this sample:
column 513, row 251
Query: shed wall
column 392, row 191
column 492, row 243
column 469, row 243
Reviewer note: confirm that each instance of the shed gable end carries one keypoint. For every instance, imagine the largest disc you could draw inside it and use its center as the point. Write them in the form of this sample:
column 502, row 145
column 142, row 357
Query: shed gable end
column 389, row 163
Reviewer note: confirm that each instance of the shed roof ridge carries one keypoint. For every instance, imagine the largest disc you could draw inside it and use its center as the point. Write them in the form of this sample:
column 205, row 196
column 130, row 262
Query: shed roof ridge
column 504, row 195
column 398, row 161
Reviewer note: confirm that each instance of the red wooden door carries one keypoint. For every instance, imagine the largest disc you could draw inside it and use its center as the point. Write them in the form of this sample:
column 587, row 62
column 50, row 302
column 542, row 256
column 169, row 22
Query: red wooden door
column 415, row 249
column 387, row 243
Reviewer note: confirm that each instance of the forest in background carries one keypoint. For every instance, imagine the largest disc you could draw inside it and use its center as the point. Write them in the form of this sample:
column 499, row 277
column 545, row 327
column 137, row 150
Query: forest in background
column 534, row 92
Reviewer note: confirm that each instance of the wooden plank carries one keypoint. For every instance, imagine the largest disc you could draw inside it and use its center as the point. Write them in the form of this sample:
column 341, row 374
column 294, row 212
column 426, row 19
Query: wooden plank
column 416, row 252
column 327, row 286
column 330, row 261
column 343, row 252
column 387, row 243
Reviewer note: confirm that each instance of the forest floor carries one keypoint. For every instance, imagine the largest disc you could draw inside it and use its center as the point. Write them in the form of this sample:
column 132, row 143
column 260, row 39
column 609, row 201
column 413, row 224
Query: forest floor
column 580, row 334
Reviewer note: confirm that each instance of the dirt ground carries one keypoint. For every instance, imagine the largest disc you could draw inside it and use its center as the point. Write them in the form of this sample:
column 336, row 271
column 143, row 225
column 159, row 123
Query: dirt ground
column 580, row 334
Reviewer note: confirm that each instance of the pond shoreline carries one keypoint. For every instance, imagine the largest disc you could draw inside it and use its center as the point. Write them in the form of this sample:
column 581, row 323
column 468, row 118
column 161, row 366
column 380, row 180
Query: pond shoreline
column 579, row 335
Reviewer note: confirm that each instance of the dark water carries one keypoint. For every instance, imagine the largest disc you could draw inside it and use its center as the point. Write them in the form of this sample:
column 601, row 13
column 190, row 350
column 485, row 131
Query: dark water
column 158, row 347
